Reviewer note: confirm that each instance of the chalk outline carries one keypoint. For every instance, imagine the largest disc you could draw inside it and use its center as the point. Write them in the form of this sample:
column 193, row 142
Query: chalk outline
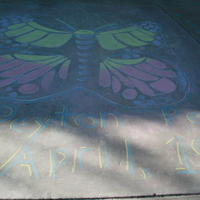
column 104, row 98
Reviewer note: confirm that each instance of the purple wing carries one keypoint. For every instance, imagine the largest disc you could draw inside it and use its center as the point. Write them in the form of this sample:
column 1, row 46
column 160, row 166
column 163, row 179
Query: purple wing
column 143, row 82
column 23, row 75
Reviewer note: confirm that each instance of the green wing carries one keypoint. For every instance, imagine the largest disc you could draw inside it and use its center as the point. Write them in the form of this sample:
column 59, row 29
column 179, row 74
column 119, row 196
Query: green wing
column 38, row 35
column 134, row 36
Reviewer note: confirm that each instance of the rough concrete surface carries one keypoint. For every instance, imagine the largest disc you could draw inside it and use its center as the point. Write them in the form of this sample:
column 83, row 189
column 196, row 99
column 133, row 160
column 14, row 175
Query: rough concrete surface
column 169, row 198
column 99, row 99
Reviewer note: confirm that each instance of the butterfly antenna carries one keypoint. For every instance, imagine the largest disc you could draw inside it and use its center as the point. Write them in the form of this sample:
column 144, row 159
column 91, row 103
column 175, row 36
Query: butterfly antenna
column 66, row 24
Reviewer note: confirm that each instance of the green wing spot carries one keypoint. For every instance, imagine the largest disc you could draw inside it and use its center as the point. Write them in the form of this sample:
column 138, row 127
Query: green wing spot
column 20, row 31
column 37, row 26
column 108, row 42
column 53, row 40
column 30, row 37
column 16, row 26
column 35, row 58
column 125, row 62
column 123, row 30
column 147, row 32
column 129, row 39
column 142, row 36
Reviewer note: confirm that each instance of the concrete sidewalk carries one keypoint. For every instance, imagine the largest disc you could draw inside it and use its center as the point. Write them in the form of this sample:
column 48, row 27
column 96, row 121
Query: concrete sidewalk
column 99, row 99
column 168, row 198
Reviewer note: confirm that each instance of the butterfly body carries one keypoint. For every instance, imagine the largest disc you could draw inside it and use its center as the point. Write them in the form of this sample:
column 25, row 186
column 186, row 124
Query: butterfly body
column 113, row 63
column 84, row 41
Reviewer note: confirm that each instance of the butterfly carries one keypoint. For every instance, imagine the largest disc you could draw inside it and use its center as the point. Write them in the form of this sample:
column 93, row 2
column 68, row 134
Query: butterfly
column 114, row 63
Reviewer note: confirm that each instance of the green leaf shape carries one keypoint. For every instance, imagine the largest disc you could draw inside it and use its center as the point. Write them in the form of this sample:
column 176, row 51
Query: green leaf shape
column 53, row 40
column 117, row 62
column 36, row 58
column 147, row 32
column 108, row 42
column 128, row 39
column 30, row 37
column 16, row 26
column 143, row 36
column 20, row 31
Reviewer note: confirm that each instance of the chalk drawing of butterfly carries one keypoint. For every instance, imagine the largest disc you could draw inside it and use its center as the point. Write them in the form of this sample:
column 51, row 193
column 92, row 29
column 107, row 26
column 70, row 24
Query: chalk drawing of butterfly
column 114, row 63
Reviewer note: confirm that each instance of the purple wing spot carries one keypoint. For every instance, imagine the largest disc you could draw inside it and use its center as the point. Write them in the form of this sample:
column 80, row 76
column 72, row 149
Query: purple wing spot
column 143, row 87
column 64, row 70
column 35, row 74
column 104, row 77
column 21, row 69
column 8, row 81
column 116, row 85
column 28, row 88
column 148, row 68
column 48, row 79
column 129, row 94
column 131, row 71
column 4, row 59
column 125, row 80
column 164, row 85
column 10, row 64
column 156, row 64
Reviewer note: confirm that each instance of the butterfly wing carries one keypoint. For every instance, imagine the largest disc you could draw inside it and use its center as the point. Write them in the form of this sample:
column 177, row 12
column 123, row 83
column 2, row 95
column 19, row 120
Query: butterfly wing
column 142, row 82
column 126, row 76
column 29, row 68
column 31, row 76
column 24, row 30
column 141, row 37
column 131, row 77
